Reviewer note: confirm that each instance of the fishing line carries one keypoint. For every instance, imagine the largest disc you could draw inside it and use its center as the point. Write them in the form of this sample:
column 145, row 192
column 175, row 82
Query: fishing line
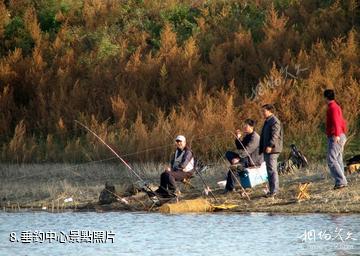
column 248, row 154
column 111, row 149
column 122, row 160
column 234, row 176
column 73, row 166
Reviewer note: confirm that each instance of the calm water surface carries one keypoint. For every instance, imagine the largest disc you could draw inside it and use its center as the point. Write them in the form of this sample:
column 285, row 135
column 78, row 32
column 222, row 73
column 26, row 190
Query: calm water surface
column 188, row 234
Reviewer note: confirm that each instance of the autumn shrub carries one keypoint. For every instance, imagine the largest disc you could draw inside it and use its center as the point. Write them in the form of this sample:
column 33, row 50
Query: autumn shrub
column 140, row 72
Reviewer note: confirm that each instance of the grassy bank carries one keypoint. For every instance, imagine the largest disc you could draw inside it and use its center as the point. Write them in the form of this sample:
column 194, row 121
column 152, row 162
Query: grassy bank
column 35, row 185
column 38, row 186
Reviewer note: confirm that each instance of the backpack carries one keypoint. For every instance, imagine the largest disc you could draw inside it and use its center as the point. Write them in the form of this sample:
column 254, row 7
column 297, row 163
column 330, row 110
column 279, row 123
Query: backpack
column 294, row 162
column 353, row 164
column 108, row 194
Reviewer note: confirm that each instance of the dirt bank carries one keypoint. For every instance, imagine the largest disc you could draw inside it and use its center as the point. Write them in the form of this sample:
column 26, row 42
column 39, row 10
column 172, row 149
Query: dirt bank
column 323, row 199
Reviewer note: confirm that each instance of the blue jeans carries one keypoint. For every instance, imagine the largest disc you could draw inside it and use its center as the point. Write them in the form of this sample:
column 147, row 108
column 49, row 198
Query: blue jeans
column 335, row 160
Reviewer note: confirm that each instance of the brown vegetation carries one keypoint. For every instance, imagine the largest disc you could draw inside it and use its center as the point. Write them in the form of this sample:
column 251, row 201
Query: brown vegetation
column 139, row 72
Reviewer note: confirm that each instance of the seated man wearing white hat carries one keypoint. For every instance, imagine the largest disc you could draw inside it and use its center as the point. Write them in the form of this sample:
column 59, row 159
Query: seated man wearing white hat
column 181, row 167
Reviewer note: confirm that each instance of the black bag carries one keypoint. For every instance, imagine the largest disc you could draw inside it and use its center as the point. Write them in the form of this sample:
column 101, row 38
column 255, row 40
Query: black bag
column 108, row 194
column 353, row 164
column 353, row 160
column 295, row 161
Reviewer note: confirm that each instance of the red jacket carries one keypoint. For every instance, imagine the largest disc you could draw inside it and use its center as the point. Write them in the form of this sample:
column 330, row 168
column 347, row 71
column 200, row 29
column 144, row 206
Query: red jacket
column 335, row 123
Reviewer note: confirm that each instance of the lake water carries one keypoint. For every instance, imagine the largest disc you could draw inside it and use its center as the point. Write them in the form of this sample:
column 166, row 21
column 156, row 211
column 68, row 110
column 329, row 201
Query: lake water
column 42, row 233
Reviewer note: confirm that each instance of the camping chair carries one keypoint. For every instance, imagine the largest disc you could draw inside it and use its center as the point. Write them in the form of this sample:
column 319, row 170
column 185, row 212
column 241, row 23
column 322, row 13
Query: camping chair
column 303, row 191
column 199, row 168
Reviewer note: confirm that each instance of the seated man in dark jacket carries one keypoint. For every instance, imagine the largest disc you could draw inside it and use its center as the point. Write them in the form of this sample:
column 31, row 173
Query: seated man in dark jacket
column 248, row 154
column 181, row 167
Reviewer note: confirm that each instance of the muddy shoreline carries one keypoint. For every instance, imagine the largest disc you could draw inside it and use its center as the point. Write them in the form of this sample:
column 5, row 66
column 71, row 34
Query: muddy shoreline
column 49, row 188
column 257, row 204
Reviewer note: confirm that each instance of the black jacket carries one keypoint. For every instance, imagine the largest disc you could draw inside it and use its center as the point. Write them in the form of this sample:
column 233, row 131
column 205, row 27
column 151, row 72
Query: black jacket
column 272, row 135
column 251, row 144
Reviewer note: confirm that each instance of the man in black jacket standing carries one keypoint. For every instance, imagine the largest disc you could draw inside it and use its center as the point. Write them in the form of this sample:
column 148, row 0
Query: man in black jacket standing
column 248, row 154
column 271, row 145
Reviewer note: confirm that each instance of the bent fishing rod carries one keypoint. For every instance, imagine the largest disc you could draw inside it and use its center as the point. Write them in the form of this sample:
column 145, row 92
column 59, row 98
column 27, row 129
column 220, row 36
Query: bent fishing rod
column 123, row 161
column 116, row 154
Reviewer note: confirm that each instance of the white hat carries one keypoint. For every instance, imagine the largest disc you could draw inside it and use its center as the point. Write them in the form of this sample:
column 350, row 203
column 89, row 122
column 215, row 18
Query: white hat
column 180, row 137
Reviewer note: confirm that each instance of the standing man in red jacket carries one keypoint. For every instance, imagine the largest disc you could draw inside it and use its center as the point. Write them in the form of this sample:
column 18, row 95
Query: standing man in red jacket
column 335, row 131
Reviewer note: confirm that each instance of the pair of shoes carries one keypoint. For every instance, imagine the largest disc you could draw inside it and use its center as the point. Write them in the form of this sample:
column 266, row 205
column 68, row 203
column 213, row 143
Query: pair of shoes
column 339, row 186
column 228, row 191
column 271, row 195
column 162, row 193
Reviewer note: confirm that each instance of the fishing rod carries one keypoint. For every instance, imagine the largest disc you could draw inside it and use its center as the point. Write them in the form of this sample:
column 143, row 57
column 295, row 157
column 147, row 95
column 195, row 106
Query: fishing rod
column 206, row 186
column 121, row 199
column 117, row 155
column 153, row 194
column 123, row 155
column 248, row 154
column 233, row 175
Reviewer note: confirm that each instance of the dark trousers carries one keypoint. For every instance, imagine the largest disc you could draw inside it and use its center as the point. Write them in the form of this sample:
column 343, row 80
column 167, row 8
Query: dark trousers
column 168, row 180
column 231, row 177
column 271, row 167
column 230, row 180
column 230, row 155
